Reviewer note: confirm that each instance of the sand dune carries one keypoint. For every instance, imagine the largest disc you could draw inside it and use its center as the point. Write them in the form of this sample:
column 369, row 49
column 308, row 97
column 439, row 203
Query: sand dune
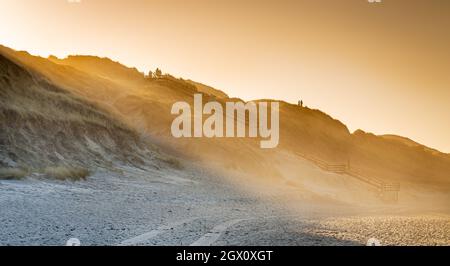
column 47, row 127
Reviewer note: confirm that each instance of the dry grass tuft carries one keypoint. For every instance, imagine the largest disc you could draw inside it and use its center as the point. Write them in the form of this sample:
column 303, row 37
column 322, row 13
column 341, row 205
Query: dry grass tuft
column 12, row 173
column 67, row 173
column 171, row 161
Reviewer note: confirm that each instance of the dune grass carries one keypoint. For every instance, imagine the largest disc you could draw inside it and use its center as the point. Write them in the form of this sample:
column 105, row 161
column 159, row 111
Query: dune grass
column 170, row 161
column 67, row 173
column 12, row 173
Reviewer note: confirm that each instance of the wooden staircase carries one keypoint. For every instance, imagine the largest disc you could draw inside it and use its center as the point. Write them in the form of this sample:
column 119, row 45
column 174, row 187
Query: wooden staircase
column 388, row 192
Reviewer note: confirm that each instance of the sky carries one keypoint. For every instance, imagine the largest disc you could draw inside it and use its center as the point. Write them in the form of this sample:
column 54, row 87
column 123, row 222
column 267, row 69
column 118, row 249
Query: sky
column 381, row 67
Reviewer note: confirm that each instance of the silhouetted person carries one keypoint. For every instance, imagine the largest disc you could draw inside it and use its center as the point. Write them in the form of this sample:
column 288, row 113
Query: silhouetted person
column 158, row 73
column 300, row 103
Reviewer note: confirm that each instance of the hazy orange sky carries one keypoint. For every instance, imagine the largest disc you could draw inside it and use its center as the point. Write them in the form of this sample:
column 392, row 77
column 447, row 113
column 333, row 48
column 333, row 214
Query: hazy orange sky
column 382, row 67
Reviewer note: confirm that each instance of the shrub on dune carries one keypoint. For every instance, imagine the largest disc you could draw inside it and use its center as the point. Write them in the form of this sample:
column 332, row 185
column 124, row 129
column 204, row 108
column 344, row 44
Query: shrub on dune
column 12, row 173
column 67, row 173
